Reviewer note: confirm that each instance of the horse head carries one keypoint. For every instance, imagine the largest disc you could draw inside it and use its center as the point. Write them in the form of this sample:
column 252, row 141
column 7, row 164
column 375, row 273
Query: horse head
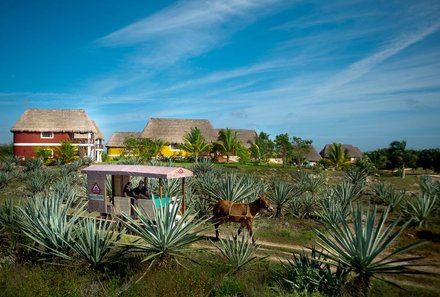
column 264, row 203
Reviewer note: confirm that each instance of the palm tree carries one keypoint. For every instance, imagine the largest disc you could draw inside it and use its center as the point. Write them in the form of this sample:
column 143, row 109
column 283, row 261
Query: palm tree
column 399, row 155
column 228, row 142
column 67, row 152
column 262, row 147
column 338, row 157
column 195, row 143
column 363, row 247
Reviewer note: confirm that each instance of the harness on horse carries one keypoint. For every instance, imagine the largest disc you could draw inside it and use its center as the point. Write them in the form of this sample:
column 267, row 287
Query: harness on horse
column 247, row 215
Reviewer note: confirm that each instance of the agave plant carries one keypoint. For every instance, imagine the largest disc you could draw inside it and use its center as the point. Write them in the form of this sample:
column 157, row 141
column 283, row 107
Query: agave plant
column 357, row 177
column 362, row 248
column 344, row 194
column 161, row 237
column 280, row 194
column 203, row 167
column 330, row 210
column 234, row 188
column 9, row 222
column 5, row 177
column 8, row 163
column 50, row 224
column 428, row 186
column 238, row 252
column 39, row 180
column 95, row 241
column 314, row 184
column 388, row 195
column 421, row 209
column 309, row 272
column 171, row 187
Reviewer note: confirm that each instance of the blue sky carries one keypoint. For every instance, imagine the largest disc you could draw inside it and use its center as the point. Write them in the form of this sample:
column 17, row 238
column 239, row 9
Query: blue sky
column 359, row 72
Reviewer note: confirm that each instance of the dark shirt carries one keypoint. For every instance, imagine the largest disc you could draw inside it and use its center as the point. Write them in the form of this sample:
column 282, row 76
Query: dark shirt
column 142, row 191
column 129, row 193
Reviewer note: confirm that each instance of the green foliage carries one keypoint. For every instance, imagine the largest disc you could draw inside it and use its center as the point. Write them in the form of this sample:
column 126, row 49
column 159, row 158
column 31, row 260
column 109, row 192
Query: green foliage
column 141, row 150
column 429, row 186
column 162, row 238
column 67, row 152
column 228, row 142
column 195, row 144
column 39, row 180
column 283, row 147
column 95, row 240
column 5, row 177
column 238, row 252
column 7, row 163
column 421, row 209
column 300, row 149
column 338, row 157
column 203, row 167
column 49, row 224
column 262, row 147
column 44, row 154
column 231, row 187
column 6, row 150
column 32, row 165
column 388, row 195
column 280, row 193
column 357, row 176
column 362, row 248
column 310, row 273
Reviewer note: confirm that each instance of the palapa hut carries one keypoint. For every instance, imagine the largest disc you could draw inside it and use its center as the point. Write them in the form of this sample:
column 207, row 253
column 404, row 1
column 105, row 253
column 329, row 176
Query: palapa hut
column 244, row 136
column 47, row 128
column 312, row 156
column 354, row 152
column 173, row 130
column 115, row 145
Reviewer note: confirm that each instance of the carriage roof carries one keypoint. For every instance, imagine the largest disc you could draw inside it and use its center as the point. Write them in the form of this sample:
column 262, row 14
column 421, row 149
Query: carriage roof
column 139, row 170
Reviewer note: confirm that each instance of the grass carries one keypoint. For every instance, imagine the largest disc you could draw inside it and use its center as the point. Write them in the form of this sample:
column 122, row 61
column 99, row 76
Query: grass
column 210, row 277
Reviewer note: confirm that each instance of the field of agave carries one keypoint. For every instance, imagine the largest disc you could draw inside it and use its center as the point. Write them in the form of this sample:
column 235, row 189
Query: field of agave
column 331, row 234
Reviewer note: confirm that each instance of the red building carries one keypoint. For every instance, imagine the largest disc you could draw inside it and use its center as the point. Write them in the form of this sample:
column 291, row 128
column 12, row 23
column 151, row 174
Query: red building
column 47, row 128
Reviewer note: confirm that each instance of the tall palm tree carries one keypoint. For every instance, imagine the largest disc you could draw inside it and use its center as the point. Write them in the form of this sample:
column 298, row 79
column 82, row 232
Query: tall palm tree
column 398, row 155
column 338, row 157
column 228, row 142
column 195, row 143
column 262, row 147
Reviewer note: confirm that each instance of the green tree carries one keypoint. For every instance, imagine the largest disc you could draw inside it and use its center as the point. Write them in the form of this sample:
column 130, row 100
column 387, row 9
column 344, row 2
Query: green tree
column 262, row 147
column 339, row 158
column 142, row 149
column 301, row 147
column 67, row 152
column 195, row 143
column 283, row 147
column 228, row 142
column 399, row 156
column 44, row 154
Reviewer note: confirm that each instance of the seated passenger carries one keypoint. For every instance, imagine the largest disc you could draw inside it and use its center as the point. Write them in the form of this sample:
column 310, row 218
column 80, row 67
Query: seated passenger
column 141, row 191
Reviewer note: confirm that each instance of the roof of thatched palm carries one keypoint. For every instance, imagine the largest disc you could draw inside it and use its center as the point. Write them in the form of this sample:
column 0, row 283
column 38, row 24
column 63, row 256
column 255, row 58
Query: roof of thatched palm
column 353, row 151
column 312, row 155
column 173, row 130
column 245, row 136
column 99, row 134
column 117, row 139
column 54, row 120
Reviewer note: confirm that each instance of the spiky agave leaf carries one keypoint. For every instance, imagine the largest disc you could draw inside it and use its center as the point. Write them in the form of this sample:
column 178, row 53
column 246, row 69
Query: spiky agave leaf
column 362, row 248
column 280, row 193
column 163, row 237
column 95, row 240
column 50, row 224
column 420, row 210
column 238, row 252
column 234, row 188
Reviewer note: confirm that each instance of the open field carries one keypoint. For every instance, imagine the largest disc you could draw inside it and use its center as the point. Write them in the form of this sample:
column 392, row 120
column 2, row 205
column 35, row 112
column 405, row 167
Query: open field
column 25, row 273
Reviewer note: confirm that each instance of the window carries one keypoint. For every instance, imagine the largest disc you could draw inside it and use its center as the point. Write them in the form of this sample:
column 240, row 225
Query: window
column 174, row 147
column 46, row 134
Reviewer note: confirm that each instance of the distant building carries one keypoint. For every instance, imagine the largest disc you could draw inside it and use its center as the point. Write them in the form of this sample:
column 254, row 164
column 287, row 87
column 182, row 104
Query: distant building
column 354, row 152
column 312, row 157
column 115, row 145
column 47, row 128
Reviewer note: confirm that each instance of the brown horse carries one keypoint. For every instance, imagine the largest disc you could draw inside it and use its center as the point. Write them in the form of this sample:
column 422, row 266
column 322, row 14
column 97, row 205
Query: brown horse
column 243, row 213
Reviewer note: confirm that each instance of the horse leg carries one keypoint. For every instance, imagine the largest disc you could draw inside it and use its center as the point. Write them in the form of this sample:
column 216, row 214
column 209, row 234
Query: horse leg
column 242, row 224
column 216, row 230
column 251, row 232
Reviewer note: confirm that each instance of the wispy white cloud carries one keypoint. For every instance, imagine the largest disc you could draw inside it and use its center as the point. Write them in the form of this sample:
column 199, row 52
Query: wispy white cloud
column 359, row 68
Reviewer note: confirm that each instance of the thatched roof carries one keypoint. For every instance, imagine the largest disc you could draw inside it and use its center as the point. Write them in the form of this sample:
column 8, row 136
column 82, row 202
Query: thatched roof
column 99, row 134
column 117, row 139
column 245, row 136
column 173, row 130
column 353, row 151
column 54, row 120
column 312, row 155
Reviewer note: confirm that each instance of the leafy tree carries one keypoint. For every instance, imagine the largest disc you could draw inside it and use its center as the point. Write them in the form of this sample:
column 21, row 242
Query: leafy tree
column 379, row 158
column 195, row 143
column 44, row 154
column 142, row 149
column 283, row 147
column 67, row 152
column 301, row 147
column 339, row 158
column 228, row 142
column 399, row 156
column 262, row 148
